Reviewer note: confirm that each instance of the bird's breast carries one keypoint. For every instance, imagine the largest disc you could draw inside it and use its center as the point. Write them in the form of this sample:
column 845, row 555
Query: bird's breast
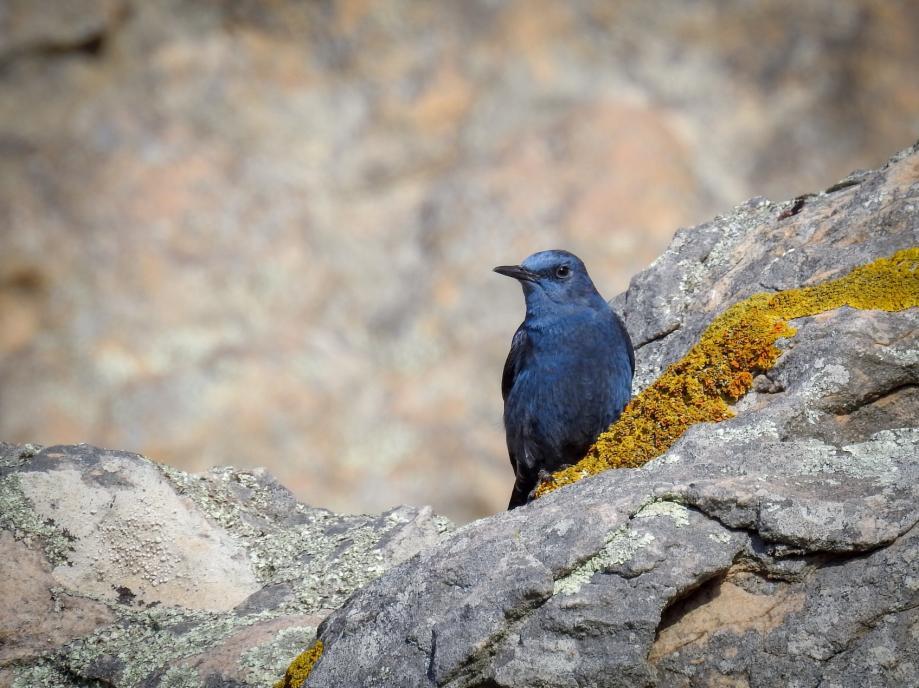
column 575, row 367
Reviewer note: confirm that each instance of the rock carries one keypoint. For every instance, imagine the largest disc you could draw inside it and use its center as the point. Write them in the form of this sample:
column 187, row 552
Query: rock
column 120, row 570
column 779, row 547
column 220, row 221
column 76, row 26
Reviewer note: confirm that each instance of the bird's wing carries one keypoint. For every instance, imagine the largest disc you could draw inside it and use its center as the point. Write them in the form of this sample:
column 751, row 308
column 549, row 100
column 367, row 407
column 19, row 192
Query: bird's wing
column 520, row 346
column 628, row 340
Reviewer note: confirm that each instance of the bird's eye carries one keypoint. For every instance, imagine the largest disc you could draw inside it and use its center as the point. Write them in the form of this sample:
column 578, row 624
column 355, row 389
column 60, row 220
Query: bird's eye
column 562, row 271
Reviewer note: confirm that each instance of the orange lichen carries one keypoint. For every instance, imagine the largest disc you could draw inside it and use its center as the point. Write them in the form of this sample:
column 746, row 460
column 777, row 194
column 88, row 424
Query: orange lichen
column 299, row 670
column 719, row 369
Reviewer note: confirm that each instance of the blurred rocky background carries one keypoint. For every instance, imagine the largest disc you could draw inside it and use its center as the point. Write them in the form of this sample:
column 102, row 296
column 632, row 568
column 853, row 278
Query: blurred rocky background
column 260, row 233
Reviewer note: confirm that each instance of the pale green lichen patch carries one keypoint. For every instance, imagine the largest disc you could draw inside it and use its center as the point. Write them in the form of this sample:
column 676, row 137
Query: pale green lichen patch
column 324, row 556
column 180, row 677
column 144, row 641
column 722, row 538
column 250, row 522
column 14, row 456
column 875, row 459
column 18, row 516
column 148, row 639
column 266, row 662
column 620, row 548
column 42, row 674
column 678, row 513
column 878, row 456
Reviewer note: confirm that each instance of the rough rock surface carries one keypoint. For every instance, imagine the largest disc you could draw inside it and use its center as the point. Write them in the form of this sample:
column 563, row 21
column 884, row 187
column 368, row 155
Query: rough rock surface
column 780, row 547
column 235, row 231
column 117, row 571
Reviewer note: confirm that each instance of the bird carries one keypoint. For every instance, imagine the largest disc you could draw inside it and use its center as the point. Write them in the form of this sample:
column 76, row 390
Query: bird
column 569, row 372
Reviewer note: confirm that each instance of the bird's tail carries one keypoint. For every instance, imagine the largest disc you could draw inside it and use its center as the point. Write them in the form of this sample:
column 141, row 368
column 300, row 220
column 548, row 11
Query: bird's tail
column 519, row 496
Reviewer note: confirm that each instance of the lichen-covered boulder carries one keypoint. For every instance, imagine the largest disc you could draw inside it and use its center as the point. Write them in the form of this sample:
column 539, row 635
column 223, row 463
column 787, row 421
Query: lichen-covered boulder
column 776, row 547
column 118, row 571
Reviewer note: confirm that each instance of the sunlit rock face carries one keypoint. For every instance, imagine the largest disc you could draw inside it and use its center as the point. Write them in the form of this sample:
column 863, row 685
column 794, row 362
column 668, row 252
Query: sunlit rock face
column 123, row 571
column 778, row 542
column 261, row 233
column 776, row 545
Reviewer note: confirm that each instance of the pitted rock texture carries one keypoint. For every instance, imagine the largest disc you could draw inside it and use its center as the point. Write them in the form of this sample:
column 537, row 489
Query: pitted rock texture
column 779, row 547
column 776, row 548
column 260, row 233
column 125, row 572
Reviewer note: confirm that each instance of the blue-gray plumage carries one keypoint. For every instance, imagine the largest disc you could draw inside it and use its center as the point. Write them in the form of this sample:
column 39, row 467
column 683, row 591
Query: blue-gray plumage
column 569, row 371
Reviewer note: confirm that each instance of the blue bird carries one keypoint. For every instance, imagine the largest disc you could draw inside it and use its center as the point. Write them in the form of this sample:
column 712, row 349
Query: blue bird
column 569, row 371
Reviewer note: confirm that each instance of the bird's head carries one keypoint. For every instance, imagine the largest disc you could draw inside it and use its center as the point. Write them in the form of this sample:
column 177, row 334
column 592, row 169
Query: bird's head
column 553, row 279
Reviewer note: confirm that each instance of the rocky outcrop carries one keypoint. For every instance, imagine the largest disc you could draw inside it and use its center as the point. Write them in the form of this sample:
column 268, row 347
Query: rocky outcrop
column 121, row 572
column 233, row 231
column 778, row 547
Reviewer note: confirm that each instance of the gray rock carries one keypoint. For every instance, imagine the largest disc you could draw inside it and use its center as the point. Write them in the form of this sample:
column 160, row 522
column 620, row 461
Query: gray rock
column 123, row 571
column 776, row 548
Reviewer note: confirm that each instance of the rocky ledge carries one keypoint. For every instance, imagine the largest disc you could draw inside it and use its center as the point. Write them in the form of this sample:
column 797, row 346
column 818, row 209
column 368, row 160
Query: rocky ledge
column 776, row 547
column 118, row 571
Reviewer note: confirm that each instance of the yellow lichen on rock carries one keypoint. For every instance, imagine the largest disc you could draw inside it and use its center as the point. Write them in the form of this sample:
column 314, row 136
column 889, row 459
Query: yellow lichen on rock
column 299, row 670
column 719, row 369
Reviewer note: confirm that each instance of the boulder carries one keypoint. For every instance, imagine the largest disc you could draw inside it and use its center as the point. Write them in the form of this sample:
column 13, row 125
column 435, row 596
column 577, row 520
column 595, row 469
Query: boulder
column 778, row 547
column 125, row 572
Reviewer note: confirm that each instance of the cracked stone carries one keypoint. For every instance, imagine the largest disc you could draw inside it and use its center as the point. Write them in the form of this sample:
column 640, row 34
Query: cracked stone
column 775, row 548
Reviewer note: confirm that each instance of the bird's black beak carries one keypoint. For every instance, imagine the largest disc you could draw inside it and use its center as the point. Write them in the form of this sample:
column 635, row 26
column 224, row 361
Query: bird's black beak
column 517, row 272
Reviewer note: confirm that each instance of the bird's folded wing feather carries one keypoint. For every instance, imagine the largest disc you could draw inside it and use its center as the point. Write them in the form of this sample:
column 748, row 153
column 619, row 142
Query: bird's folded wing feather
column 520, row 346
column 628, row 340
